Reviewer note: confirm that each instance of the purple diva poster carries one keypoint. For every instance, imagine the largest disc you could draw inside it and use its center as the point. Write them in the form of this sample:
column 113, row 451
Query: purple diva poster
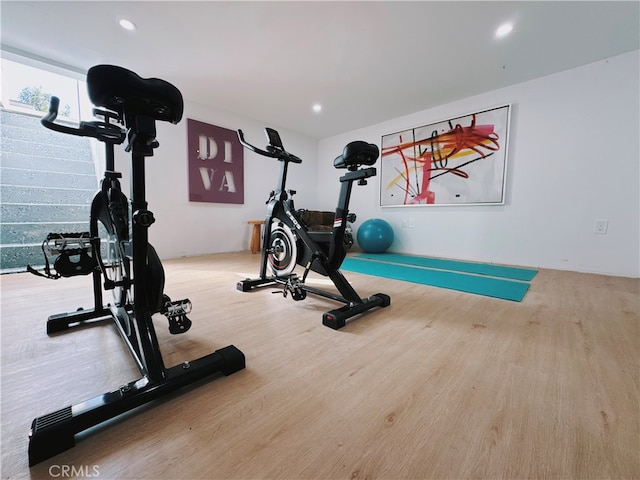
column 216, row 164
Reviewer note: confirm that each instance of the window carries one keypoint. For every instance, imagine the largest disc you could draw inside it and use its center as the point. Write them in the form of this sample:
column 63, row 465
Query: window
column 27, row 88
column 48, row 179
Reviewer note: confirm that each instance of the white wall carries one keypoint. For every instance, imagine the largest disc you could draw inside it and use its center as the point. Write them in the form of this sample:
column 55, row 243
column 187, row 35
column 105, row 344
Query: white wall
column 574, row 157
column 185, row 228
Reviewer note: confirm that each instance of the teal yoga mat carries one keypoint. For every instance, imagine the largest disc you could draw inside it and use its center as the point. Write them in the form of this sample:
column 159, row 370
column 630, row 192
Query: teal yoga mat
column 513, row 273
column 479, row 284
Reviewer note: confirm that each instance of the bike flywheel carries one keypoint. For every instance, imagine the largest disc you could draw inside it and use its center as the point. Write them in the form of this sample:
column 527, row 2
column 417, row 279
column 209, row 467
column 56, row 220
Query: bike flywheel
column 283, row 251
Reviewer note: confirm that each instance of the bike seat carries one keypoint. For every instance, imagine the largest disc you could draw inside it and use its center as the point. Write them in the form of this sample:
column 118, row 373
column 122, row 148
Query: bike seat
column 357, row 153
column 123, row 91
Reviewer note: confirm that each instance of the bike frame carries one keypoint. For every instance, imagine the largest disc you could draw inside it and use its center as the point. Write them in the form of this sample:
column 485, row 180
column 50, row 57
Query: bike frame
column 55, row 432
column 322, row 252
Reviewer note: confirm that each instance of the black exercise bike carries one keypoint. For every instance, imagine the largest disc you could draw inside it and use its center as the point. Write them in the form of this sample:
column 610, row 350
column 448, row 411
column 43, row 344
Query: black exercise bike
column 287, row 239
column 124, row 263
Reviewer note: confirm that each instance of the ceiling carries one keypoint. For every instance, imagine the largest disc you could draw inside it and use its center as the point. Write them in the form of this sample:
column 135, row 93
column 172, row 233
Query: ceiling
column 365, row 62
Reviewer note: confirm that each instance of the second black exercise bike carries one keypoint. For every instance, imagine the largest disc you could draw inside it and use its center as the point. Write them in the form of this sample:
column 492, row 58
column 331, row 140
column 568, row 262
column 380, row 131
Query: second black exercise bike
column 287, row 240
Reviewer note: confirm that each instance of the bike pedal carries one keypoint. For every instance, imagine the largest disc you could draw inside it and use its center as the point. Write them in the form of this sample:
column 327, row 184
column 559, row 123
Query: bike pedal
column 298, row 294
column 179, row 324
column 176, row 313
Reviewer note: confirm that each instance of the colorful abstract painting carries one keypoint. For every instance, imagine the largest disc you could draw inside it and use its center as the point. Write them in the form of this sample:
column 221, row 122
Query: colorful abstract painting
column 460, row 161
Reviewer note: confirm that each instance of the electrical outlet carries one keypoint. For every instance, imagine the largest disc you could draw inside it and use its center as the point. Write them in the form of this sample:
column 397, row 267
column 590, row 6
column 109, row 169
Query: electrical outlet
column 412, row 222
column 404, row 223
column 600, row 227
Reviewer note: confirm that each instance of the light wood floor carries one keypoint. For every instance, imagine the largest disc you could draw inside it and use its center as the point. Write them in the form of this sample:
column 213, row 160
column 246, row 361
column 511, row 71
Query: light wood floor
column 440, row 385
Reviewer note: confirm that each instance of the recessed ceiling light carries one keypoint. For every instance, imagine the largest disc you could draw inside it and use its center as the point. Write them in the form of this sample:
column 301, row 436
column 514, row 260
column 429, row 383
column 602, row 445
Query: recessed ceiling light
column 127, row 24
column 504, row 30
column 317, row 108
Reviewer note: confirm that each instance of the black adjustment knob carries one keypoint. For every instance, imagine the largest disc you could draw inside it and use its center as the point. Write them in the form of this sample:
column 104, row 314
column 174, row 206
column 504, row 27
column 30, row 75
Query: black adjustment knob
column 144, row 218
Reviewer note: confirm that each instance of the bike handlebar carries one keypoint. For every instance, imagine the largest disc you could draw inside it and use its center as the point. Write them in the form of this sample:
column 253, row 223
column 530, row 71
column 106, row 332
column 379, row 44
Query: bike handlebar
column 49, row 119
column 103, row 131
column 272, row 152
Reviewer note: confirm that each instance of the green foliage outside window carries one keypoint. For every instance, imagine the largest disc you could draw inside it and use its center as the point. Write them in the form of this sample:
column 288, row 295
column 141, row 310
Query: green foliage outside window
column 40, row 100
